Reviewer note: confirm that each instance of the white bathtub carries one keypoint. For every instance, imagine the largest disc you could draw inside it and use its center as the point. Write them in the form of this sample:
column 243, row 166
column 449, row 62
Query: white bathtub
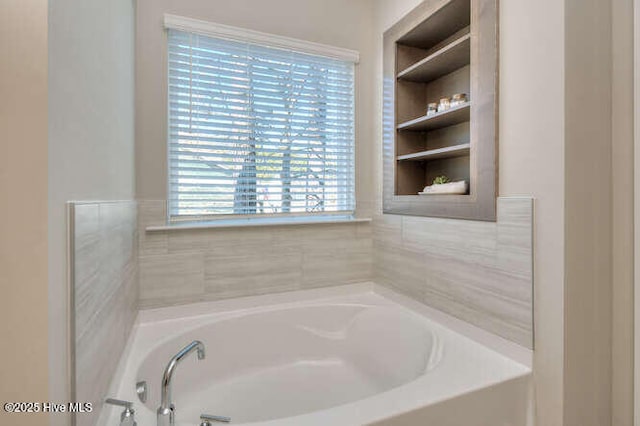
column 350, row 355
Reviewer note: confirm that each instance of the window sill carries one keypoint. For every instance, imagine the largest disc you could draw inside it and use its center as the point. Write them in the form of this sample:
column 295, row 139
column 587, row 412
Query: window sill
column 253, row 222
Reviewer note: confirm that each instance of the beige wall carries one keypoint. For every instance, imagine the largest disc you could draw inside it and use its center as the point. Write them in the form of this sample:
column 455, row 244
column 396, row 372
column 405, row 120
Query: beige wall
column 91, row 134
column 23, row 216
column 531, row 153
column 532, row 162
column 636, row 211
column 587, row 233
column 622, row 211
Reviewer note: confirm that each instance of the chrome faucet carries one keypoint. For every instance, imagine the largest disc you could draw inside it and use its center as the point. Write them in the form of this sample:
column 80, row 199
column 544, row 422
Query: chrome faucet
column 166, row 411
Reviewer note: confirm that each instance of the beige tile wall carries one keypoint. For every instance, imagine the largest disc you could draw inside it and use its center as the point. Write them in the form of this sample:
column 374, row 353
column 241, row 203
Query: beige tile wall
column 480, row 272
column 183, row 266
column 105, row 294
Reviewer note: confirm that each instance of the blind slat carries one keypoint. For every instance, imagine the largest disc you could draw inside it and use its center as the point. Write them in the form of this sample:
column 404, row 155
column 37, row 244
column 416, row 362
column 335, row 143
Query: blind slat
column 189, row 172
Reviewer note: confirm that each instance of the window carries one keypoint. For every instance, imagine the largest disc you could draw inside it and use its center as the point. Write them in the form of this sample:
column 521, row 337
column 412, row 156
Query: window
column 257, row 130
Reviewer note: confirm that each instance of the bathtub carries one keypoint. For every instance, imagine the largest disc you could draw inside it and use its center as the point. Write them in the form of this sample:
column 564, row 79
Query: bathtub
column 349, row 355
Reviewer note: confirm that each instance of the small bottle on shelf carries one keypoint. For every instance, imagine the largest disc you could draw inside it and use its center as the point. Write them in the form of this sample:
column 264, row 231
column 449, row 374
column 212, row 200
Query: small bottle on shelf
column 432, row 108
column 458, row 99
column 444, row 104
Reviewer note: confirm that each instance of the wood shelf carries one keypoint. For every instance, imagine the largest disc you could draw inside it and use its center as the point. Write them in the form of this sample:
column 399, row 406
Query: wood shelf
column 450, row 117
column 447, row 59
column 436, row 154
column 452, row 17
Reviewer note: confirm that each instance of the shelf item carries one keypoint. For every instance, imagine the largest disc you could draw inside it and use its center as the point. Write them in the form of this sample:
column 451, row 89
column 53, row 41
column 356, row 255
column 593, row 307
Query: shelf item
column 436, row 154
column 450, row 117
column 444, row 104
column 450, row 188
column 451, row 57
column 459, row 99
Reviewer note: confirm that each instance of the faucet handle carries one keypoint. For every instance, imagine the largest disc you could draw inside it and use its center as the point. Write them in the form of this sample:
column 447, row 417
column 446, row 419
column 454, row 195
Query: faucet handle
column 207, row 417
column 142, row 390
column 127, row 416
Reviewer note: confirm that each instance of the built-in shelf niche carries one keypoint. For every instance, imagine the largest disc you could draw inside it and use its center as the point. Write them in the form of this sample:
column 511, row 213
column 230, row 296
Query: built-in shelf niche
column 439, row 49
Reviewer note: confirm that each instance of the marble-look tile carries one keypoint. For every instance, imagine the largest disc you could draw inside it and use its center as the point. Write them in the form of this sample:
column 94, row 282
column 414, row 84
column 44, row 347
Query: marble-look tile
column 335, row 254
column 105, row 289
column 477, row 271
column 187, row 241
column 515, row 237
column 239, row 241
column 171, row 275
column 86, row 223
column 248, row 261
column 152, row 243
column 364, row 230
column 89, row 284
column 480, row 317
column 340, row 266
column 152, row 213
column 97, row 355
column 471, row 239
column 478, row 275
column 399, row 268
column 387, row 229
column 311, row 235
column 252, row 273
column 480, row 272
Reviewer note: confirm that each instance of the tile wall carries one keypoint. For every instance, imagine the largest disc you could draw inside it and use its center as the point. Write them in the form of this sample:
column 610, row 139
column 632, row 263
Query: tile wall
column 481, row 272
column 104, row 294
column 183, row 266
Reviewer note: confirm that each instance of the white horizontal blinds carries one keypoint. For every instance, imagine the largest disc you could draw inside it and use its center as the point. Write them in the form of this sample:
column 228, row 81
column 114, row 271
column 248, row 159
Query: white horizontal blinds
column 258, row 130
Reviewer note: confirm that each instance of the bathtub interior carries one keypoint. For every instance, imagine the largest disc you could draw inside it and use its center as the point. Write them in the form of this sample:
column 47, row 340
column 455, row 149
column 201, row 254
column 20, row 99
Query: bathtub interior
column 290, row 362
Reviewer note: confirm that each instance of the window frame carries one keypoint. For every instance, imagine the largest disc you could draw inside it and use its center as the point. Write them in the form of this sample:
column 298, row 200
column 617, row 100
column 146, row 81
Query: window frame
column 209, row 29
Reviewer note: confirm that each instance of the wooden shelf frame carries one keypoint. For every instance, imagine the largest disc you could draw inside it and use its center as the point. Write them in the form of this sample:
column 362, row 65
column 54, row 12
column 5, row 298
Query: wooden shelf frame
column 440, row 48
column 452, row 116
column 445, row 60
column 438, row 153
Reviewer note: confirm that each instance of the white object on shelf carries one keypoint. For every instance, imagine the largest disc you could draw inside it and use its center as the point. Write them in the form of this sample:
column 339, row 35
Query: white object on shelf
column 459, row 187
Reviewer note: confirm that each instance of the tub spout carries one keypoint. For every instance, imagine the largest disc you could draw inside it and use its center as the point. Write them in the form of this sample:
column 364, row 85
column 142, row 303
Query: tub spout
column 166, row 411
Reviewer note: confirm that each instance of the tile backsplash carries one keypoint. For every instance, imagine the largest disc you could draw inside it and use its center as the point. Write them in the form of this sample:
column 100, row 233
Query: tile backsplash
column 183, row 266
column 104, row 294
column 481, row 272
